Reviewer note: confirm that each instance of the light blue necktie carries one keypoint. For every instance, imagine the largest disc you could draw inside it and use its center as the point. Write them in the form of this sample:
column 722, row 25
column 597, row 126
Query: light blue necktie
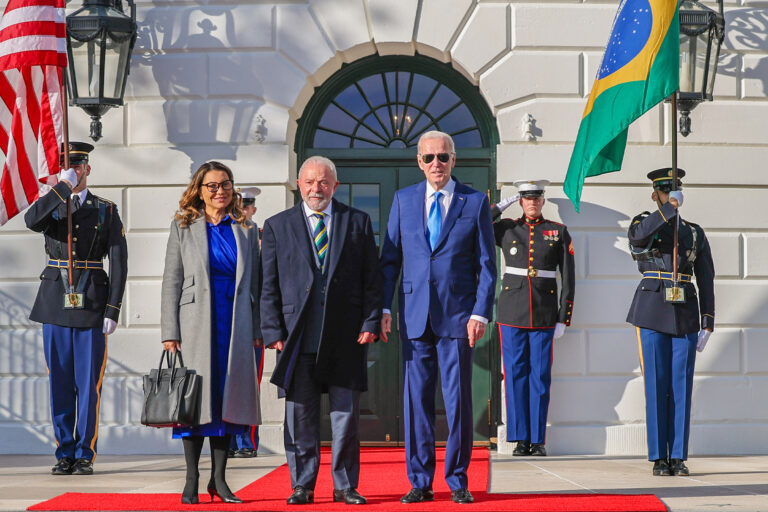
column 435, row 221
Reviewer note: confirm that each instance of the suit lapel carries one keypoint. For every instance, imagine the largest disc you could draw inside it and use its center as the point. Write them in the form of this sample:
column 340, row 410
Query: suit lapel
column 243, row 253
column 339, row 227
column 200, row 236
column 454, row 210
column 419, row 210
column 298, row 229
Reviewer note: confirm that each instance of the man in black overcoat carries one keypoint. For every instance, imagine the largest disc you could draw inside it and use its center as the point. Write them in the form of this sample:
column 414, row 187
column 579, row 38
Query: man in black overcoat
column 320, row 306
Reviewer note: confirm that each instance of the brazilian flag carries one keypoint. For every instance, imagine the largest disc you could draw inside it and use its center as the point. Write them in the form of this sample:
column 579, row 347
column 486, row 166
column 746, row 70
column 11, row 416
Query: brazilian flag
column 640, row 68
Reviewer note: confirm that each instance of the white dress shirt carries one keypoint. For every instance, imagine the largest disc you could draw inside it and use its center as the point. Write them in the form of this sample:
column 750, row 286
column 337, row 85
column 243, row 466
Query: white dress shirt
column 82, row 195
column 445, row 203
column 445, row 199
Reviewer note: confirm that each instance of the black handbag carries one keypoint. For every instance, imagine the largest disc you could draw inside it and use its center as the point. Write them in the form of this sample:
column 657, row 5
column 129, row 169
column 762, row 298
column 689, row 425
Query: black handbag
column 172, row 395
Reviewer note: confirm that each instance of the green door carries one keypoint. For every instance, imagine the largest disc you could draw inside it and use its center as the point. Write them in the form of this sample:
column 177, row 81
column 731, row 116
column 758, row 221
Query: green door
column 368, row 118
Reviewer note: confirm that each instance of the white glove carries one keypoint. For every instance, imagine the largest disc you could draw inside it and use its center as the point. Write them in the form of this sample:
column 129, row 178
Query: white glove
column 70, row 176
column 505, row 203
column 678, row 195
column 109, row 326
column 703, row 338
column 559, row 330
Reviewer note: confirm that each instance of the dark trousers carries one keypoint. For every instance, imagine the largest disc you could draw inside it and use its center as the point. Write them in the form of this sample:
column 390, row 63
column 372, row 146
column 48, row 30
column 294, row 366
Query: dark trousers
column 76, row 360
column 527, row 356
column 421, row 358
column 667, row 362
column 302, row 429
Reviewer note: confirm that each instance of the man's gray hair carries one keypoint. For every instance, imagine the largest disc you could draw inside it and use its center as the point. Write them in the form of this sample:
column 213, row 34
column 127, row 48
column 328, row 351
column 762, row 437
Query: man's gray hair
column 435, row 134
column 317, row 159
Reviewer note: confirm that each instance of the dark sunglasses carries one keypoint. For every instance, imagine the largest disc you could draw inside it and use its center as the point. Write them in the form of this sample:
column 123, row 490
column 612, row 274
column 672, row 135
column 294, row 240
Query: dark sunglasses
column 428, row 157
column 213, row 187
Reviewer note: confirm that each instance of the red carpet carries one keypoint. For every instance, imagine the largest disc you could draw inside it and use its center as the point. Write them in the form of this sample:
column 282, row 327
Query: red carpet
column 383, row 481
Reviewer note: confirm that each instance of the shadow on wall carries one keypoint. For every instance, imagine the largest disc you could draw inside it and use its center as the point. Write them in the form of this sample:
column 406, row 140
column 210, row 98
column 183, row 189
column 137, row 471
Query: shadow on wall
column 746, row 29
column 198, row 82
column 602, row 384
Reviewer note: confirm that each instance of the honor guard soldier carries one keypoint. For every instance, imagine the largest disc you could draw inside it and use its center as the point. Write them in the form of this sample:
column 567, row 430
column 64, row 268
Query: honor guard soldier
column 246, row 444
column 77, row 317
column 530, row 312
column 666, row 315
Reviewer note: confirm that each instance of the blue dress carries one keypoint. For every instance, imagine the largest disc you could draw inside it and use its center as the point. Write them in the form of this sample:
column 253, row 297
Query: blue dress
column 222, row 256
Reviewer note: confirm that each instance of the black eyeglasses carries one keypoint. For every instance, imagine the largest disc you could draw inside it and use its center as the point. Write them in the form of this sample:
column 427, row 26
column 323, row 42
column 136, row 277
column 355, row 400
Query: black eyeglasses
column 213, row 187
column 428, row 157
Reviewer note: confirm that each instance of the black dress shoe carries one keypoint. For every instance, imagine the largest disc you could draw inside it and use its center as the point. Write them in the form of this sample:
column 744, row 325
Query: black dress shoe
column 301, row 496
column 63, row 466
column 418, row 495
column 661, row 468
column 82, row 467
column 538, row 450
column 243, row 453
column 349, row 496
column 678, row 467
column 462, row 496
column 523, row 448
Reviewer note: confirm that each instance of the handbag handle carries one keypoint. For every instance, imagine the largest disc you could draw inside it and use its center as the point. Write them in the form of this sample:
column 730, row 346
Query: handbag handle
column 170, row 361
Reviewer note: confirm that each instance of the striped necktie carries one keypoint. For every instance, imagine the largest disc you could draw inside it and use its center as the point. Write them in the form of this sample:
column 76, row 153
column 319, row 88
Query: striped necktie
column 75, row 202
column 320, row 236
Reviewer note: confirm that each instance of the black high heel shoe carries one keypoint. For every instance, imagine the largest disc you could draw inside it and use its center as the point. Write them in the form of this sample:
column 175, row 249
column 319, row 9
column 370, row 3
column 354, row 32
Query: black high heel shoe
column 224, row 494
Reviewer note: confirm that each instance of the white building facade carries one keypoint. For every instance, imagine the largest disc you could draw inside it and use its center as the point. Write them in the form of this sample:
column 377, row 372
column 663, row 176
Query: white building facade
column 261, row 85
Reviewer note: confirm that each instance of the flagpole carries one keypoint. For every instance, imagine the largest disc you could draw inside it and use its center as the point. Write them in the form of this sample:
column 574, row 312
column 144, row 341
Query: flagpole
column 674, row 187
column 65, row 119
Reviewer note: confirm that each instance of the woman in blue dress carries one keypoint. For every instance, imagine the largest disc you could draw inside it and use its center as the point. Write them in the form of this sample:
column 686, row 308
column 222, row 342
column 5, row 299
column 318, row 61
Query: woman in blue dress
column 210, row 313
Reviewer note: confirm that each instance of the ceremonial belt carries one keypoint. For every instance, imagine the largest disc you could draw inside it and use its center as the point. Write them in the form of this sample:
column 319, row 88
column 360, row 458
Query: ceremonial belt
column 655, row 274
column 77, row 264
column 530, row 272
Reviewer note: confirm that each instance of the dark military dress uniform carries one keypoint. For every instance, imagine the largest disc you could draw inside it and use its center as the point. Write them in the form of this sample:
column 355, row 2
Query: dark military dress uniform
column 528, row 309
column 667, row 332
column 75, row 346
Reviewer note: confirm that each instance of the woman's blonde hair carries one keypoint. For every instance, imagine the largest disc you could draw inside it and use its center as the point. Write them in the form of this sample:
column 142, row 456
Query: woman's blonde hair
column 191, row 205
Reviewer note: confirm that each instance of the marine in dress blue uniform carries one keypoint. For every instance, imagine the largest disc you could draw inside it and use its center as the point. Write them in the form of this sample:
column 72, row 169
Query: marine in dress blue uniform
column 75, row 337
column 669, row 332
column 530, row 313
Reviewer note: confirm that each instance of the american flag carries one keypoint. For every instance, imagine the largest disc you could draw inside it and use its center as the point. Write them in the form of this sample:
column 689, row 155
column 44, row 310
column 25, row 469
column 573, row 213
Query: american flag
column 33, row 50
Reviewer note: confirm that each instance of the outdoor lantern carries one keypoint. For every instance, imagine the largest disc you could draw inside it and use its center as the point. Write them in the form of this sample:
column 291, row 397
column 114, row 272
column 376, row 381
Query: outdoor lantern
column 100, row 39
column 702, row 31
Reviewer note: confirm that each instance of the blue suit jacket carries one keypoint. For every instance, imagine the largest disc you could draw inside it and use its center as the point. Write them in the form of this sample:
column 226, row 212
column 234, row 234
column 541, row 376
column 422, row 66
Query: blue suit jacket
column 451, row 283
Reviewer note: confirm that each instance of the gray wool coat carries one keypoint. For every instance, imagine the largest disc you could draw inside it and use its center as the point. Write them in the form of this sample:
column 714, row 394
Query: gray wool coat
column 185, row 315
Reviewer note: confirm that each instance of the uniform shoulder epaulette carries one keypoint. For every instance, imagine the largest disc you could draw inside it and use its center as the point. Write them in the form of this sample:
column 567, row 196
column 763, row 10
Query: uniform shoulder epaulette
column 102, row 200
column 555, row 223
column 639, row 217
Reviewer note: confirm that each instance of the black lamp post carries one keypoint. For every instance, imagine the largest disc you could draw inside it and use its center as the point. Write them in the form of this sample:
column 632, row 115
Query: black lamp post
column 702, row 31
column 100, row 39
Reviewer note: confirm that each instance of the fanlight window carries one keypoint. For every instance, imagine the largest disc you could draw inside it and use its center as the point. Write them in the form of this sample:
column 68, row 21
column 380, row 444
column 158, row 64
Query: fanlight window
column 391, row 110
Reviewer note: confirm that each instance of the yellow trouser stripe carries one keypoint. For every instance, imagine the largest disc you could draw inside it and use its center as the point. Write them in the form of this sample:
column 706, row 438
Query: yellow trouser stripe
column 640, row 348
column 98, row 399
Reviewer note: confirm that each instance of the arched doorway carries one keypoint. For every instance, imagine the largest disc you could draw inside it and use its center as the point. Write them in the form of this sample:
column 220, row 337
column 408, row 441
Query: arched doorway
column 367, row 118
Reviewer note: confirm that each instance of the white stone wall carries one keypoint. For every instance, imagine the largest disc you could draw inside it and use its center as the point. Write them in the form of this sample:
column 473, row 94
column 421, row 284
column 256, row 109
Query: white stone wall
column 226, row 80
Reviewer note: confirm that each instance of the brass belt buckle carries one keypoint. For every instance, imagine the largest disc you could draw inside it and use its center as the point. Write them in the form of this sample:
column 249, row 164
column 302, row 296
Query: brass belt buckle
column 74, row 300
column 674, row 293
column 532, row 272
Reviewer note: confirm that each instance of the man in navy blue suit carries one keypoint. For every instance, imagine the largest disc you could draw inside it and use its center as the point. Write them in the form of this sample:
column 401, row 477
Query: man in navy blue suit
column 440, row 235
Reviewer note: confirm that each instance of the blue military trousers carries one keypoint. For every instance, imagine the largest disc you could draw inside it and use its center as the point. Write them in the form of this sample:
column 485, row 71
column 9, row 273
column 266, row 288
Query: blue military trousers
column 76, row 360
column 421, row 358
column 527, row 356
column 667, row 363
